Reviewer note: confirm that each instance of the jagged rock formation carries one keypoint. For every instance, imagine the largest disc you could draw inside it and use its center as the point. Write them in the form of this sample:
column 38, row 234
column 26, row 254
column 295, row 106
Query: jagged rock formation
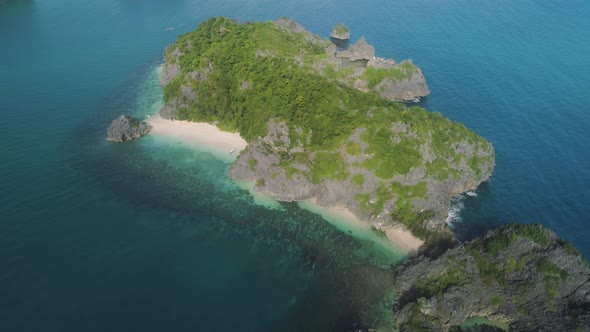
column 313, row 132
column 340, row 31
column 359, row 51
column 519, row 275
column 126, row 128
column 263, row 162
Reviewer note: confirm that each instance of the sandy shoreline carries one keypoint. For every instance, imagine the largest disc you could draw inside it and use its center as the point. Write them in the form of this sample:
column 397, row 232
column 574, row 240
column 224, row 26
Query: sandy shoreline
column 228, row 145
column 403, row 238
column 198, row 133
column 398, row 235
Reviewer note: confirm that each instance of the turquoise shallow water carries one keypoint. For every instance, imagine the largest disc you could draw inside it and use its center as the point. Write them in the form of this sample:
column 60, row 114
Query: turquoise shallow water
column 150, row 236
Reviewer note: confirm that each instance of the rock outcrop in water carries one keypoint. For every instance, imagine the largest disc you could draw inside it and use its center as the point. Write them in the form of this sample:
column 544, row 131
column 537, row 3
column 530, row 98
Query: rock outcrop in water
column 126, row 128
column 323, row 123
column 522, row 276
column 340, row 31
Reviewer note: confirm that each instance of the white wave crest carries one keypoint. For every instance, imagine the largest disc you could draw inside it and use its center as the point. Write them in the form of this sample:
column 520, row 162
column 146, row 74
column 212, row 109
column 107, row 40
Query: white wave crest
column 454, row 216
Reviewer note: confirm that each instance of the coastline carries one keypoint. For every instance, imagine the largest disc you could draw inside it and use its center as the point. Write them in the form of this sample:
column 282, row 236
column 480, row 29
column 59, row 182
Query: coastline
column 203, row 135
column 227, row 146
column 343, row 219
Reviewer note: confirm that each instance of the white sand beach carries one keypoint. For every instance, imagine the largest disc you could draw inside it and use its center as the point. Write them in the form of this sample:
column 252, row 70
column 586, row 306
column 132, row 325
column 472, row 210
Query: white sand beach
column 403, row 238
column 346, row 221
column 227, row 145
column 203, row 135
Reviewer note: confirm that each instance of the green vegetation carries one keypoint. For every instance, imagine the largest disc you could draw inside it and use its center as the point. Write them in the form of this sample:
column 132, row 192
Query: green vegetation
column 514, row 264
column 550, row 270
column 569, row 248
column 340, row 29
column 397, row 73
column 353, row 148
column 535, row 233
column 328, row 165
column 320, row 112
column 484, row 250
column 497, row 300
column 500, row 242
column 552, row 276
column 489, row 271
column 391, row 154
column 293, row 92
column 252, row 164
column 420, row 322
column 358, row 179
column 438, row 284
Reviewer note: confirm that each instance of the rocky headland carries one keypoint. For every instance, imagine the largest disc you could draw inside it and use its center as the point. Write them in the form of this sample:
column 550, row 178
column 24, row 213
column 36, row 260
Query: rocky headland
column 518, row 276
column 126, row 128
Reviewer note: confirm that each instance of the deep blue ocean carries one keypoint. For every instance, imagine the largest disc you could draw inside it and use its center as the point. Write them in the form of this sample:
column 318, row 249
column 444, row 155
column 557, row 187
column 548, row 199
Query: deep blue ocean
column 151, row 236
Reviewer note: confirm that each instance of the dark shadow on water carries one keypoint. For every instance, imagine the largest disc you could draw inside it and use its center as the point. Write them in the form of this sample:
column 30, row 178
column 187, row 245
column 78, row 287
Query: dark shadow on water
column 474, row 223
column 340, row 44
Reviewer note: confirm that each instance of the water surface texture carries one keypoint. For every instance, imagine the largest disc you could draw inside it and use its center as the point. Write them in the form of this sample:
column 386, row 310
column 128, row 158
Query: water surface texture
column 151, row 235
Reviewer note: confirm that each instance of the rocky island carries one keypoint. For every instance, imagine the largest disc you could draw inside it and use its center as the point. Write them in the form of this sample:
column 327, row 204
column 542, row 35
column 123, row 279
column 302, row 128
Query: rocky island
column 340, row 31
column 327, row 125
column 324, row 124
column 126, row 128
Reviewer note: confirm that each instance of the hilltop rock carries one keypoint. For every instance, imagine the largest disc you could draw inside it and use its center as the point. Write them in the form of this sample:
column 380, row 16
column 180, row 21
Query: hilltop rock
column 519, row 275
column 126, row 128
column 340, row 31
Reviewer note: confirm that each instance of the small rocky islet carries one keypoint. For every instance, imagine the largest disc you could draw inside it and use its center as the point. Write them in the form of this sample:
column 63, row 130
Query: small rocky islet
column 126, row 128
column 328, row 123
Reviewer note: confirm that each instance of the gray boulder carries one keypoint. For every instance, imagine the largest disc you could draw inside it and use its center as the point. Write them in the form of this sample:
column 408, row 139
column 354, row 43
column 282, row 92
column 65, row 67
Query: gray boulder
column 126, row 128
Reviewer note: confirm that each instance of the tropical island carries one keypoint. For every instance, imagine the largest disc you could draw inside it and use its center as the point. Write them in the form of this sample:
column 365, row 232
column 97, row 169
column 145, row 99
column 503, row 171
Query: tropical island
column 306, row 121
column 325, row 124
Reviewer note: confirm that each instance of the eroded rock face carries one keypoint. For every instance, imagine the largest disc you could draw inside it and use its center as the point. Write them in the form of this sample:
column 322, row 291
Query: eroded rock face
column 262, row 162
column 359, row 51
column 521, row 275
column 406, row 89
column 126, row 128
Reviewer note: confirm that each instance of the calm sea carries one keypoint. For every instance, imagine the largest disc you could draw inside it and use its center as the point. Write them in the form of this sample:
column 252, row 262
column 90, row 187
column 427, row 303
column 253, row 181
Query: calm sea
column 151, row 236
